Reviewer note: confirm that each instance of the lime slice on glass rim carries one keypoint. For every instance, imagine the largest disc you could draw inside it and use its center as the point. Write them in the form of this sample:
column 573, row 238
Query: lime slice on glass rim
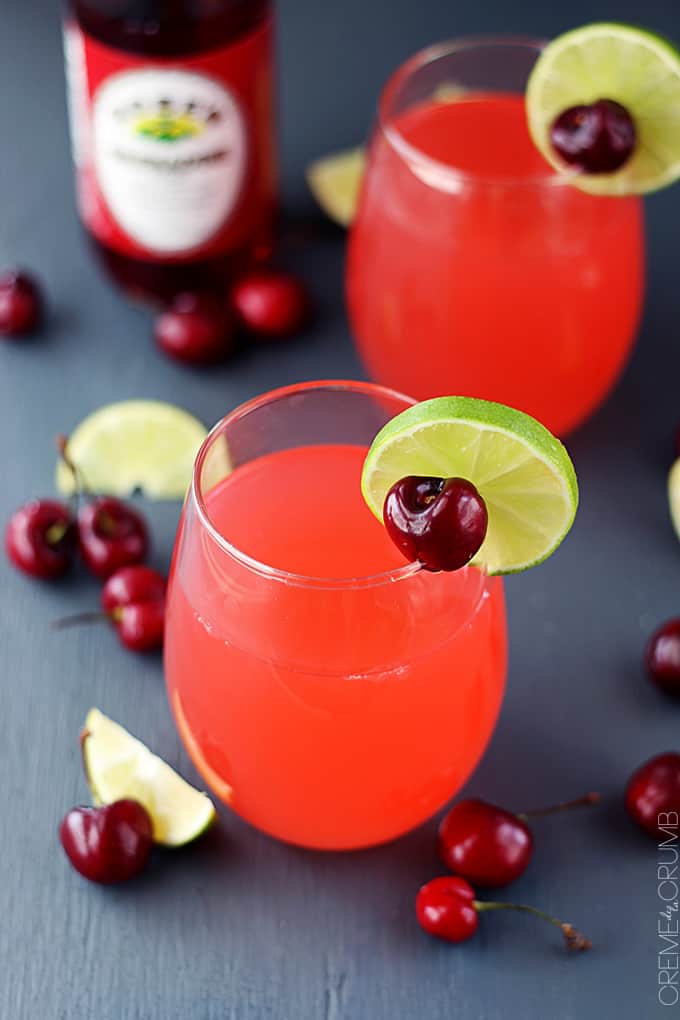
column 119, row 766
column 523, row 473
column 629, row 65
column 144, row 445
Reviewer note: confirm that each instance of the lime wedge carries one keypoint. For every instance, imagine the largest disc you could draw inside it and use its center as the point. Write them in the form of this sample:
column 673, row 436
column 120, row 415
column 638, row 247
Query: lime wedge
column 335, row 182
column 674, row 495
column 521, row 470
column 119, row 766
column 635, row 68
column 136, row 444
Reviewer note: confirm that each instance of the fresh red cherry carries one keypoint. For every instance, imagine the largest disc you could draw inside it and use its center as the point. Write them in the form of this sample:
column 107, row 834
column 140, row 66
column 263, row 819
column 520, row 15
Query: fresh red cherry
column 131, row 585
column 489, row 846
column 441, row 522
column 20, row 304
column 40, row 539
column 653, row 795
column 485, row 844
column 133, row 600
column 598, row 138
column 662, row 657
column 108, row 844
column 140, row 625
column 446, row 907
column 196, row 328
column 111, row 535
column 271, row 304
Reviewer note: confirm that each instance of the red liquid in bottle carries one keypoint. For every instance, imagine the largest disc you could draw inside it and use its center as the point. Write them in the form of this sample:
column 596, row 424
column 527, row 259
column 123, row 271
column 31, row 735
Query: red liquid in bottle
column 172, row 112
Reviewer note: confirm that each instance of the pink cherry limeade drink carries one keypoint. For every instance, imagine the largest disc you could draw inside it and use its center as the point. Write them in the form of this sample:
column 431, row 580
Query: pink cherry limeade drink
column 474, row 268
column 333, row 694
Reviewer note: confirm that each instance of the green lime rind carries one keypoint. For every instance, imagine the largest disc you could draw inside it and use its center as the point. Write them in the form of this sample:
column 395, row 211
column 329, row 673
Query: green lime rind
column 119, row 766
column 521, row 470
column 674, row 496
column 144, row 445
column 634, row 67
column 335, row 182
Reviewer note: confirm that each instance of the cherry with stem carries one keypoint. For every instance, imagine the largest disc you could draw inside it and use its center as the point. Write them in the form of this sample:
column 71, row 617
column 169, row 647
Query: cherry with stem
column 133, row 600
column 489, row 845
column 447, row 908
column 111, row 534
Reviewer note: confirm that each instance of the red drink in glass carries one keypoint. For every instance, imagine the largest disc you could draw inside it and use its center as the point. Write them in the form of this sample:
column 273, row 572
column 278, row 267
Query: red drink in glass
column 332, row 693
column 474, row 268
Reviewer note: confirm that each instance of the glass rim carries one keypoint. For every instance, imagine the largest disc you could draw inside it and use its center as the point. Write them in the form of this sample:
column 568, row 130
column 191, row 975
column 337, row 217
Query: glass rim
column 265, row 569
column 456, row 176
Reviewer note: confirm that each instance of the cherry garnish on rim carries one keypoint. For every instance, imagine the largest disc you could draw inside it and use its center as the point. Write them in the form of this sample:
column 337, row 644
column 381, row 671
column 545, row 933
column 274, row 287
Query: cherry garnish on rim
column 21, row 304
column 598, row 138
column 653, row 795
column 488, row 845
column 662, row 658
column 111, row 535
column 441, row 522
column 40, row 539
column 108, row 844
column 446, row 907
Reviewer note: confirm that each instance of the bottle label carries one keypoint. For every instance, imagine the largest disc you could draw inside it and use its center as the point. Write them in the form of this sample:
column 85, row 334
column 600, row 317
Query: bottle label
column 174, row 160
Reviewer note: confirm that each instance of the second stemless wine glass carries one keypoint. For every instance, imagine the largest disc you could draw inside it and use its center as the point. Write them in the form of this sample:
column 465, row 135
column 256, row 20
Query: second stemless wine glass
column 473, row 267
column 333, row 694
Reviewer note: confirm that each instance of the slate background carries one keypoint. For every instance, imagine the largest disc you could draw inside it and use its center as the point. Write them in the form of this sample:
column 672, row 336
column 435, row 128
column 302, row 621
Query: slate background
column 238, row 927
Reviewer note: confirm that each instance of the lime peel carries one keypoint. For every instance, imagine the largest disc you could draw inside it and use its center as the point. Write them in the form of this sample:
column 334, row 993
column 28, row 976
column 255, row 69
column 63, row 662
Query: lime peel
column 145, row 445
column 523, row 473
column 674, row 496
column 633, row 67
column 119, row 766
column 335, row 182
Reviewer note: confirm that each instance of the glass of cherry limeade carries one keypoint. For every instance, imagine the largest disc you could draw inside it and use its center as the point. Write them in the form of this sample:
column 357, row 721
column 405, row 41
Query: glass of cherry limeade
column 172, row 121
column 334, row 694
column 475, row 267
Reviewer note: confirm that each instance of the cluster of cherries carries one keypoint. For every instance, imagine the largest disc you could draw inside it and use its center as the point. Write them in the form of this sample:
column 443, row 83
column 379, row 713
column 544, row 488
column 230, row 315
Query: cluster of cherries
column 202, row 328
column 488, row 847
column 44, row 537
column 196, row 327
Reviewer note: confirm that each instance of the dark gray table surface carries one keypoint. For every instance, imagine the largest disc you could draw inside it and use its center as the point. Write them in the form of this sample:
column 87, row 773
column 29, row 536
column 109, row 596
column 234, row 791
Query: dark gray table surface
column 239, row 927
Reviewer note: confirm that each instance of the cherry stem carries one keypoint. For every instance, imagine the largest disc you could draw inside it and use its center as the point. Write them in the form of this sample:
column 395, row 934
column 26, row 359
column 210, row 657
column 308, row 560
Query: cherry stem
column 79, row 618
column 585, row 801
column 81, row 486
column 573, row 938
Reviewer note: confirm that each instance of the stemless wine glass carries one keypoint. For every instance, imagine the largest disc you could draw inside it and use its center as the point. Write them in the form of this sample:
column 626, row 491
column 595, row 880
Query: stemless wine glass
column 473, row 267
column 332, row 693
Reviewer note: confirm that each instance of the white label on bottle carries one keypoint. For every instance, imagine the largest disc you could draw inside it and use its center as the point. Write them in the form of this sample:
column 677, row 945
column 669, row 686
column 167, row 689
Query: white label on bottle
column 170, row 156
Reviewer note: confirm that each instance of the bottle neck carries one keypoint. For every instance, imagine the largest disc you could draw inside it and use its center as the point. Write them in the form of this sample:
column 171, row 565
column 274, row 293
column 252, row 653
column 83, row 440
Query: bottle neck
column 169, row 28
